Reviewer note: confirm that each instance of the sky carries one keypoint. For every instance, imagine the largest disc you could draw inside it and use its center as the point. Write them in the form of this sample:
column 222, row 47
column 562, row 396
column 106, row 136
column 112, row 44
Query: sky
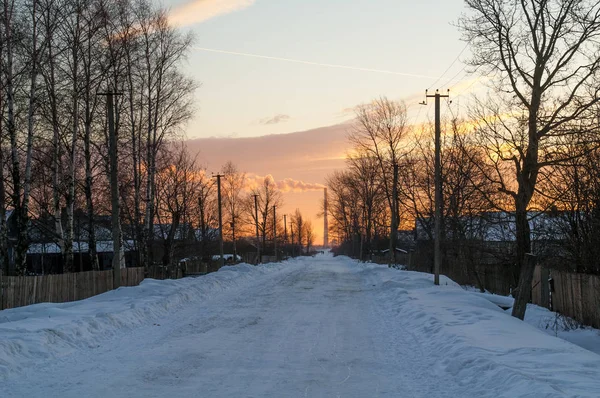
column 273, row 67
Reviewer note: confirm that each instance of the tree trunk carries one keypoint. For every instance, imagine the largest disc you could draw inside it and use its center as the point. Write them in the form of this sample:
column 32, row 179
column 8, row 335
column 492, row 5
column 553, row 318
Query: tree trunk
column 524, row 289
column 56, row 152
column 4, row 259
column 118, row 261
column 394, row 223
column 68, row 253
column 22, row 210
column 170, row 241
column 88, row 193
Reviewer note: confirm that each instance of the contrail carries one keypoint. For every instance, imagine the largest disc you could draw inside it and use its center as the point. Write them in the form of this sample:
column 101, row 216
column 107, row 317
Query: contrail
column 299, row 61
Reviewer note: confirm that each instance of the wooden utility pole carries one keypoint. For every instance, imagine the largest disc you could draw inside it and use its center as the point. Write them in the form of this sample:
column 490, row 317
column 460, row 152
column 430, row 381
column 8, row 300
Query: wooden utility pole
column 325, row 221
column 222, row 260
column 275, row 232
column 257, row 237
column 437, row 255
column 117, row 261
column 284, row 229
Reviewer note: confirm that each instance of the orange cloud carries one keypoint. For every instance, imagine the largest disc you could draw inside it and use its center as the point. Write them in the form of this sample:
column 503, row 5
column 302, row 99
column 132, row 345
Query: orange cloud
column 197, row 11
column 253, row 181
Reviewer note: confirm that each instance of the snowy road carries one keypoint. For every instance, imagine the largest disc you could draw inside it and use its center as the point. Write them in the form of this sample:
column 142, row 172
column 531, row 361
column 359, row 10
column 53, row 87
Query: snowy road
column 325, row 327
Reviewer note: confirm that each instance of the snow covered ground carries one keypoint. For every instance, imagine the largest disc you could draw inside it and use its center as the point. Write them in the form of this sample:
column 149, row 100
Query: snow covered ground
column 552, row 323
column 310, row 327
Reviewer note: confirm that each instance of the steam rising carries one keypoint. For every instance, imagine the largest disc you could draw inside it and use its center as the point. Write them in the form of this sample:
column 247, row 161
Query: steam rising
column 286, row 185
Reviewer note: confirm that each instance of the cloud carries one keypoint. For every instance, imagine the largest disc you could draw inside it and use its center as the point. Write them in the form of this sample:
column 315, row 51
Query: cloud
column 253, row 181
column 196, row 11
column 280, row 118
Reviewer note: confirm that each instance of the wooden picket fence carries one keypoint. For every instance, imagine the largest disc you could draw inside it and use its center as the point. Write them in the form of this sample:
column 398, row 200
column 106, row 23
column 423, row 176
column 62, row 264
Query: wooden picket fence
column 18, row 291
column 575, row 295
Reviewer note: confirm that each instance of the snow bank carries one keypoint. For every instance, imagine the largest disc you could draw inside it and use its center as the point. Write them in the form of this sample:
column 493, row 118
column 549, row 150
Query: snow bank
column 552, row 323
column 479, row 344
column 563, row 327
column 50, row 330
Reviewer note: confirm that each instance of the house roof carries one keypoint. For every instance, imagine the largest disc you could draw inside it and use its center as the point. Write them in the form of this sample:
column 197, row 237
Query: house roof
column 501, row 227
column 104, row 246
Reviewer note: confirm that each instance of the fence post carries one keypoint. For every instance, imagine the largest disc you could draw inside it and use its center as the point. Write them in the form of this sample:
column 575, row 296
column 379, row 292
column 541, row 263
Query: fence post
column 544, row 287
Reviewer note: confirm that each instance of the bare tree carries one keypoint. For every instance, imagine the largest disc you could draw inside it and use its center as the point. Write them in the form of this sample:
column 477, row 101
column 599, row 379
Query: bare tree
column 4, row 259
column 56, row 55
column 365, row 182
column 380, row 130
column 93, row 72
column 21, row 51
column 544, row 59
column 298, row 222
column 177, row 188
column 309, row 235
column 167, row 93
column 233, row 183
column 268, row 196
column 207, row 211
column 340, row 205
column 572, row 195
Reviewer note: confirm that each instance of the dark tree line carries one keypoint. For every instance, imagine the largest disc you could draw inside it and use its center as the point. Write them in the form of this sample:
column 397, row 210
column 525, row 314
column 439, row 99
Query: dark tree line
column 57, row 57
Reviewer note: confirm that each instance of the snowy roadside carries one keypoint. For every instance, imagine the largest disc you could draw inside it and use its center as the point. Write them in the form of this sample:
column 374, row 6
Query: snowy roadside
column 44, row 331
column 314, row 324
column 478, row 343
column 551, row 322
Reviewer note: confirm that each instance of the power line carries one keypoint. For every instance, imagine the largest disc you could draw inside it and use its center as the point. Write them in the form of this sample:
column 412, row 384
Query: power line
column 461, row 93
column 451, row 65
column 453, row 78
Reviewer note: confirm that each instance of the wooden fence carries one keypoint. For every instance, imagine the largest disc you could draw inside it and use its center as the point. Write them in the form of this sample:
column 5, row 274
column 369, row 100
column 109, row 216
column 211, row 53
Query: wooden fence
column 495, row 278
column 177, row 271
column 575, row 295
column 18, row 291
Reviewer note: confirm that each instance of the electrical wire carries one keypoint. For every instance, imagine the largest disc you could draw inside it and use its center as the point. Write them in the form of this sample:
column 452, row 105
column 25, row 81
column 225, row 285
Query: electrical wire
column 451, row 65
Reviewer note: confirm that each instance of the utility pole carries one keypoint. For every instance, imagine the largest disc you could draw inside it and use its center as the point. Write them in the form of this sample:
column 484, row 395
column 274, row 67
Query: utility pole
column 437, row 255
column 257, row 237
column 275, row 233
column 222, row 260
column 325, row 222
column 114, row 190
column 292, row 232
column 284, row 229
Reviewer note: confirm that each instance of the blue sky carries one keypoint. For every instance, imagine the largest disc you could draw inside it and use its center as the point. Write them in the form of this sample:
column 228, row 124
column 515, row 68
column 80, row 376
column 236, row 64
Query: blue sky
column 239, row 94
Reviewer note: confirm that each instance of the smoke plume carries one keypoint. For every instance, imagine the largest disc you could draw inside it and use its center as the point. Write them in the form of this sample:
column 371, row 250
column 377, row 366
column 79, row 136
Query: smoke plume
column 254, row 181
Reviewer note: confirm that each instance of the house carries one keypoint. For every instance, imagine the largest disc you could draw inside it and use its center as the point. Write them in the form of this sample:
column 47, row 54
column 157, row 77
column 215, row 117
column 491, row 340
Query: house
column 228, row 258
column 44, row 253
column 492, row 235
